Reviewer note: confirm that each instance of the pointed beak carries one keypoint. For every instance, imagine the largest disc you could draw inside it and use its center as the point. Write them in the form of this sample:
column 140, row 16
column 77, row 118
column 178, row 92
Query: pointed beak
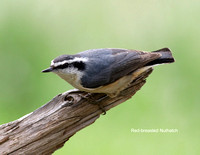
column 50, row 69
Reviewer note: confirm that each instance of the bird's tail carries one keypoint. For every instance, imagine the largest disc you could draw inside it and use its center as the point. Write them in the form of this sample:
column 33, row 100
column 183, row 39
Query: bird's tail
column 166, row 57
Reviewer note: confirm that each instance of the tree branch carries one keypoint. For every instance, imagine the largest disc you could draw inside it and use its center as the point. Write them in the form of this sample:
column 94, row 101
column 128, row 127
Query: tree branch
column 49, row 127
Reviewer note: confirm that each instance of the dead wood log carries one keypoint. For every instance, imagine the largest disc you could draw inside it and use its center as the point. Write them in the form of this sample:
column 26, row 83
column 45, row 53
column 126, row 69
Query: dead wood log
column 49, row 127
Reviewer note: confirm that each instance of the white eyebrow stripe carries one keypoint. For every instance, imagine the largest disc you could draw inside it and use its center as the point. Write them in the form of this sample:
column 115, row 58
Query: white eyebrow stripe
column 76, row 59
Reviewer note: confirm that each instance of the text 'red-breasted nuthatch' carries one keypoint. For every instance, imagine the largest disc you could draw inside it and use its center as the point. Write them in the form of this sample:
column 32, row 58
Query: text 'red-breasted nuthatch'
column 106, row 70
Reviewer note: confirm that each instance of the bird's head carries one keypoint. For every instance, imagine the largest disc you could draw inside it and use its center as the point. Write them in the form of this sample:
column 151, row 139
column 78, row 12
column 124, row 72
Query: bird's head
column 67, row 64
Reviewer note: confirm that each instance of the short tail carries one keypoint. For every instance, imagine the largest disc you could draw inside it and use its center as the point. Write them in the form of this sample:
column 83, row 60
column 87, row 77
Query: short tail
column 166, row 57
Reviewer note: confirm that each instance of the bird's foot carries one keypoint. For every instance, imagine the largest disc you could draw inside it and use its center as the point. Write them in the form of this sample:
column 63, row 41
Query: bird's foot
column 90, row 98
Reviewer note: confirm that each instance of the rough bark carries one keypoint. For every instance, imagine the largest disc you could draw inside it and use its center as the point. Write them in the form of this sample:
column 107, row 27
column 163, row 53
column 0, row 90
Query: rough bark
column 49, row 127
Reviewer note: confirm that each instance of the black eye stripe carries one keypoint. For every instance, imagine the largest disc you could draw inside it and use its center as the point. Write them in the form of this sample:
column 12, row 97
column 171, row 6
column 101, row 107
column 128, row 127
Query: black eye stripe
column 79, row 65
column 62, row 66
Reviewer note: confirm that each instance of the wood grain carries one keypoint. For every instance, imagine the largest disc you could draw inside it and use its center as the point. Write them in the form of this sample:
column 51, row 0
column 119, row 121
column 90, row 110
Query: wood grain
column 49, row 127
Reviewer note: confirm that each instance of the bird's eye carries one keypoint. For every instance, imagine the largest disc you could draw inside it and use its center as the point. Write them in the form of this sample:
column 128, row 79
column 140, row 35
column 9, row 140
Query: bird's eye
column 62, row 66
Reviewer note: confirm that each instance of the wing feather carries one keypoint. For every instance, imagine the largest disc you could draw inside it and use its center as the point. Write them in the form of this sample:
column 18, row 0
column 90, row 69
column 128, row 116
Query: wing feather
column 112, row 64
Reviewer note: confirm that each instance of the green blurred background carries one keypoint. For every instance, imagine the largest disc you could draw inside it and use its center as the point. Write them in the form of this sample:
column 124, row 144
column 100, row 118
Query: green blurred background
column 34, row 32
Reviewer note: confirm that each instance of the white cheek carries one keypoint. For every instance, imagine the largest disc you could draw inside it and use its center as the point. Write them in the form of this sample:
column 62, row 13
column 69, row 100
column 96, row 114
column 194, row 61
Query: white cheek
column 70, row 72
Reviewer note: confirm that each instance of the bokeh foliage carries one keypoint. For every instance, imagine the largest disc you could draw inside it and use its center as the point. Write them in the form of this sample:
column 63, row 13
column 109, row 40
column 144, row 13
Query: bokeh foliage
column 34, row 32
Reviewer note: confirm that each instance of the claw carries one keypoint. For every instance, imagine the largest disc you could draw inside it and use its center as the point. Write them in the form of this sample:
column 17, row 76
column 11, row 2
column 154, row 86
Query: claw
column 94, row 101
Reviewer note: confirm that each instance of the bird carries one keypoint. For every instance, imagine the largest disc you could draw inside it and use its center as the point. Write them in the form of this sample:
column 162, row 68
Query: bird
column 106, row 70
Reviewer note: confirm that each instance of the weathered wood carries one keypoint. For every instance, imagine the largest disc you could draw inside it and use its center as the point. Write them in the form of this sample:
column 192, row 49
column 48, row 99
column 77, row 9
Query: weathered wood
column 49, row 127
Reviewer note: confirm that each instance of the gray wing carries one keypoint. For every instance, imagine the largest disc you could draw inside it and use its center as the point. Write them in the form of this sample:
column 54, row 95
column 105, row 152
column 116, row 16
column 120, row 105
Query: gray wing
column 108, row 65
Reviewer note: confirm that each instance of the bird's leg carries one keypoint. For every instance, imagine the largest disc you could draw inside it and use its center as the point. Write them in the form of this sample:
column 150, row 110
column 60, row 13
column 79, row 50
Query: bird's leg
column 92, row 100
column 100, row 105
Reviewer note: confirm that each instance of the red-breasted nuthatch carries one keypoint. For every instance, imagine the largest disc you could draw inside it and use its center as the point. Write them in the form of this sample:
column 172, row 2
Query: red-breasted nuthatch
column 106, row 70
